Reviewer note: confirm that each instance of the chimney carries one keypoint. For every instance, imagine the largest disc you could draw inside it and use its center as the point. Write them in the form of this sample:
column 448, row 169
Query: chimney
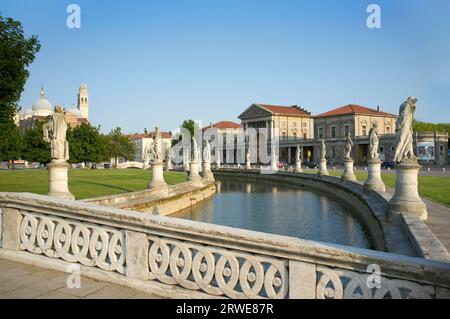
column 378, row 108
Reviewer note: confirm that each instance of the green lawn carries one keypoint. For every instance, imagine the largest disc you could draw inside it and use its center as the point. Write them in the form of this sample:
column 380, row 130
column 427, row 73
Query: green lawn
column 84, row 183
column 436, row 188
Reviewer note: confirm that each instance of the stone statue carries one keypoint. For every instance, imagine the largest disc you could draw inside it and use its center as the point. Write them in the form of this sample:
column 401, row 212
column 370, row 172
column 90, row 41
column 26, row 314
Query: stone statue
column 207, row 152
column 348, row 147
column 169, row 158
column 374, row 142
column 55, row 134
column 247, row 156
column 323, row 150
column 145, row 155
column 157, row 148
column 298, row 154
column 403, row 142
column 195, row 153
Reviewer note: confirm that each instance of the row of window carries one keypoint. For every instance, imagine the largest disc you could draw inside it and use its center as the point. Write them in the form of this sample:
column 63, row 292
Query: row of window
column 364, row 131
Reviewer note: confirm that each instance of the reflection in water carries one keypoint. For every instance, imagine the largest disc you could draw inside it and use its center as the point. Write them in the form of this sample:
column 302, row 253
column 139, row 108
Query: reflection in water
column 279, row 210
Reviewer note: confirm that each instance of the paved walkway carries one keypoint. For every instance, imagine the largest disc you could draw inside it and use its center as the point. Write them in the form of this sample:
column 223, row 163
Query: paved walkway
column 438, row 219
column 23, row 281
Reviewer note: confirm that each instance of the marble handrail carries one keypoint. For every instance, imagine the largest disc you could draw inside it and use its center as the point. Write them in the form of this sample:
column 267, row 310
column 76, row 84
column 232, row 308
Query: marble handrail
column 198, row 259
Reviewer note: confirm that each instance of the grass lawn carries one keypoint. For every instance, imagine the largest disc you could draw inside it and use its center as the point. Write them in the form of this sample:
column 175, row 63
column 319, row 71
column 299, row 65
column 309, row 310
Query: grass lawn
column 436, row 188
column 84, row 183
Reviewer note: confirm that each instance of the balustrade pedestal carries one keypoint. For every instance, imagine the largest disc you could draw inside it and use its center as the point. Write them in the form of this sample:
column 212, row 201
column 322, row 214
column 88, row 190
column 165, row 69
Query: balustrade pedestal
column 349, row 174
column 406, row 197
column 58, row 180
column 374, row 181
column 323, row 171
column 157, row 176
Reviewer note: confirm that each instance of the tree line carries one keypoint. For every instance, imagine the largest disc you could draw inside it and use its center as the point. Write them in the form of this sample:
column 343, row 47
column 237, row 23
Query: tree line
column 86, row 145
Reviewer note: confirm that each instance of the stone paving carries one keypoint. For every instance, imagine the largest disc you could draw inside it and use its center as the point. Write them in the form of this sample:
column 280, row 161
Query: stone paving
column 21, row 281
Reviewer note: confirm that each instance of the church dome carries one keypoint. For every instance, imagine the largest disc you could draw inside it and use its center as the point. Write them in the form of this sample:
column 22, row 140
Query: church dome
column 27, row 114
column 75, row 111
column 42, row 107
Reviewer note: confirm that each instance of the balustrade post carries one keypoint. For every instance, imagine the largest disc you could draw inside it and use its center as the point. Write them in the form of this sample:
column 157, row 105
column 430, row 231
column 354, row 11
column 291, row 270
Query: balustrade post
column 302, row 280
column 136, row 255
column 11, row 229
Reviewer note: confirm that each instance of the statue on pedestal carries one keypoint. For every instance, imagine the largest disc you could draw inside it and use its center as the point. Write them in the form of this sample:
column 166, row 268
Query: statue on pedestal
column 374, row 142
column 403, row 142
column 55, row 134
column 348, row 147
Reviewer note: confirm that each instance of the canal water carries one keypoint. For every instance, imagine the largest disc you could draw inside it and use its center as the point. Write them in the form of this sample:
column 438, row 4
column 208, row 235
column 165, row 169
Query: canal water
column 279, row 210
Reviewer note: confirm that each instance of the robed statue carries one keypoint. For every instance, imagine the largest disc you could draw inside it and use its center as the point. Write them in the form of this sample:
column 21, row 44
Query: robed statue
column 348, row 147
column 374, row 142
column 298, row 154
column 55, row 134
column 207, row 152
column 323, row 150
column 403, row 142
column 195, row 152
column 157, row 147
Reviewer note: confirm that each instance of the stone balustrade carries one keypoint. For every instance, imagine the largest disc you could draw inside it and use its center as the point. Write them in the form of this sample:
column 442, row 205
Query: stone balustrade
column 187, row 259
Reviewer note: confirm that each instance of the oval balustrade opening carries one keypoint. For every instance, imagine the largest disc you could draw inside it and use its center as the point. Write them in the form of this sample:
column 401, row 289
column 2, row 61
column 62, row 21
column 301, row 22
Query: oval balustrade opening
column 279, row 210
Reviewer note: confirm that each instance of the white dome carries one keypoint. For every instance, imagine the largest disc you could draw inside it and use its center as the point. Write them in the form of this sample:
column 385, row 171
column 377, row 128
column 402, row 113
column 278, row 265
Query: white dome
column 75, row 112
column 42, row 105
column 27, row 114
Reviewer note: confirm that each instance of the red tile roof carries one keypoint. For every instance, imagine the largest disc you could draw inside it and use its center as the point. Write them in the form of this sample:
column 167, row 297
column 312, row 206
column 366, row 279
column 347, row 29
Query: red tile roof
column 354, row 109
column 224, row 125
column 148, row 135
column 286, row 110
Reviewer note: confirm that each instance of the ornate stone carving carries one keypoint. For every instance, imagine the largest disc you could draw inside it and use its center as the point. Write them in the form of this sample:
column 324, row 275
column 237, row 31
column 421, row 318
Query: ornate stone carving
column 346, row 284
column 216, row 271
column 88, row 244
column 403, row 142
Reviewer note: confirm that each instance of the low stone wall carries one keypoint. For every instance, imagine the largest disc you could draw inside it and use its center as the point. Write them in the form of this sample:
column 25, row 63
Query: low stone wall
column 163, row 201
column 178, row 258
column 369, row 207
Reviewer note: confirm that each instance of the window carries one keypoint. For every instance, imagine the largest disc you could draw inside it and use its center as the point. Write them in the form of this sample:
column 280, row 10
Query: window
column 305, row 136
column 364, row 130
column 295, row 135
column 283, row 124
column 381, row 149
column 294, row 124
column 388, row 130
column 305, row 124
column 284, row 135
column 333, row 131
column 346, row 130
column 320, row 132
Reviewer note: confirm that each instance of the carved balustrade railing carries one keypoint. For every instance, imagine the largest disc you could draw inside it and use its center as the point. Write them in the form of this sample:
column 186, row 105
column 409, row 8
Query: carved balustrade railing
column 206, row 259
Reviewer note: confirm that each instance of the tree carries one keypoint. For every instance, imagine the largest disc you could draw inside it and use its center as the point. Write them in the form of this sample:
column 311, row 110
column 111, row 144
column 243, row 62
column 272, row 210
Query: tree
column 16, row 54
column 118, row 145
column 34, row 148
column 86, row 144
column 189, row 125
column 430, row 127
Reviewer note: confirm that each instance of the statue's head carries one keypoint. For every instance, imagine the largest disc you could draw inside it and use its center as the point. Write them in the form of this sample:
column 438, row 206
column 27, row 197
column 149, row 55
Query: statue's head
column 411, row 100
column 59, row 109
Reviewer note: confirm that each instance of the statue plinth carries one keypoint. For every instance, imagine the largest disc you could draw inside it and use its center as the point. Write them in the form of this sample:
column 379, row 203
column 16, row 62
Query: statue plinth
column 157, row 176
column 298, row 167
column 206, row 173
column 349, row 174
column 194, row 176
column 406, row 197
column 374, row 181
column 323, row 171
column 58, row 180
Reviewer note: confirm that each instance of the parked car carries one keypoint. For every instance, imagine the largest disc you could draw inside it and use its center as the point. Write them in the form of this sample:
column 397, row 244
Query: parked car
column 311, row 165
column 388, row 164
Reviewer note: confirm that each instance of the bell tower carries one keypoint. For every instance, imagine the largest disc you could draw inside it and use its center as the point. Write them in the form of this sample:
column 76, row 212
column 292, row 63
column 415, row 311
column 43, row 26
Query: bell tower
column 83, row 100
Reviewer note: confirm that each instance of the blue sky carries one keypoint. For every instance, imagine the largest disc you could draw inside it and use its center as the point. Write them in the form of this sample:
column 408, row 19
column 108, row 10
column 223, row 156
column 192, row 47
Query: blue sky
column 153, row 63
